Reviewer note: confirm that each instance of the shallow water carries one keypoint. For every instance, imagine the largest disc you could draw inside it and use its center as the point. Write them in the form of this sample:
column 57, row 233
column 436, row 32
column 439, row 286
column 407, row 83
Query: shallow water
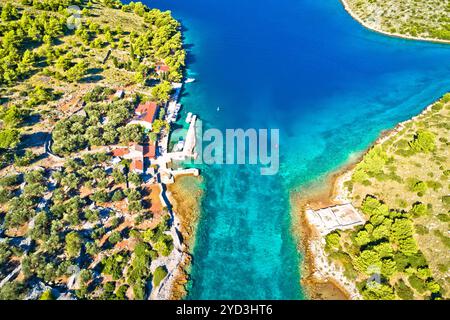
column 331, row 86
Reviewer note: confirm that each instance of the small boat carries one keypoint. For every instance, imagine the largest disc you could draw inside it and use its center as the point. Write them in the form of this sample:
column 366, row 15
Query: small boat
column 218, row 109
column 189, row 80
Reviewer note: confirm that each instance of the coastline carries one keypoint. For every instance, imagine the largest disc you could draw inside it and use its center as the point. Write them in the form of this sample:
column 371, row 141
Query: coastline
column 392, row 35
column 318, row 285
column 320, row 278
column 185, row 196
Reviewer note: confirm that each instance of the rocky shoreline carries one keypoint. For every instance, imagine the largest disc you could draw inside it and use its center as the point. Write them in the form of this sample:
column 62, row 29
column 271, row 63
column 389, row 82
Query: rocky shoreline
column 185, row 195
column 322, row 279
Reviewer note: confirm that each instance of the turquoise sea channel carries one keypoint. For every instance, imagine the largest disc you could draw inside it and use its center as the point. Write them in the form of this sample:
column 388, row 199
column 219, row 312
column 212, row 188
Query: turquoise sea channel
column 331, row 87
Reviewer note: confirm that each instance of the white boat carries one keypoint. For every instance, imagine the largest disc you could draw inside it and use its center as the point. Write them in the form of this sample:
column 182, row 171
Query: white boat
column 189, row 80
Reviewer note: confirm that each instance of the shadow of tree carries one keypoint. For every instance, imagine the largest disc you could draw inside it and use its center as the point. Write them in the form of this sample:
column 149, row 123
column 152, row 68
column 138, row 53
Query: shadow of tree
column 36, row 139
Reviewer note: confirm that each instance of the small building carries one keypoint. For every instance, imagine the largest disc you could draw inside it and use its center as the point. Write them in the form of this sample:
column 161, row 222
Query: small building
column 340, row 217
column 135, row 153
column 136, row 156
column 162, row 68
column 120, row 94
column 150, row 151
column 120, row 152
column 137, row 166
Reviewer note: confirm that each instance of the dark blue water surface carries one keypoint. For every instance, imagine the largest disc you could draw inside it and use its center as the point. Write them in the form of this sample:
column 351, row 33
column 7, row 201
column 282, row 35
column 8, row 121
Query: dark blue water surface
column 331, row 86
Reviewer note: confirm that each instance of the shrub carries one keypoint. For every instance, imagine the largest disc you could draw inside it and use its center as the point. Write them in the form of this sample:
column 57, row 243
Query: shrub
column 403, row 291
column 5, row 195
column 9, row 181
column 417, row 284
column 424, row 141
column 444, row 217
column 446, row 201
column 421, row 229
column 159, row 274
column 118, row 196
column 419, row 209
column 115, row 237
column 436, row 186
column 47, row 295
column 332, row 241
column 415, row 185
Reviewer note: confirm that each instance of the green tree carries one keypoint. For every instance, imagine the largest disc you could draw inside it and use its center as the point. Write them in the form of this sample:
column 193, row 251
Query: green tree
column 115, row 237
column 403, row 291
column 424, row 141
column 408, row 246
column 12, row 117
column 161, row 92
column 118, row 196
column 135, row 179
column 73, row 244
column 401, row 229
column 158, row 125
column 132, row 133
column 9, row 12
column 378, row 291
column 158, row 275
column 78, row 71
column 9, row 138
column 367, row 258
column 362, row 238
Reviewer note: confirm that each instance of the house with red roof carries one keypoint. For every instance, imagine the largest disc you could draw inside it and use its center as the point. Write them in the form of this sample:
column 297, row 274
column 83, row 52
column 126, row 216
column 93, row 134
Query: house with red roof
column 120, row 152
column 135, row 153
column 137, row 166
column 161, row 69
column 150, row 151
column 146, row 114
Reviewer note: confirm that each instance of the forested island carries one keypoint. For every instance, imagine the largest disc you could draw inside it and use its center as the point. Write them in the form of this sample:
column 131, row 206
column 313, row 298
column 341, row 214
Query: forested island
column 83, row 90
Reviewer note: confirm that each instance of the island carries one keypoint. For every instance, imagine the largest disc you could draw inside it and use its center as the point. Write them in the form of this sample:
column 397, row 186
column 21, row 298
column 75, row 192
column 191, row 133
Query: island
column 89, row 97
column 417, row 20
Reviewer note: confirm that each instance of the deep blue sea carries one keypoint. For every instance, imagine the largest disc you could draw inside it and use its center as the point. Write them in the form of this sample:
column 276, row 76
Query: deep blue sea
column 331, row 86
